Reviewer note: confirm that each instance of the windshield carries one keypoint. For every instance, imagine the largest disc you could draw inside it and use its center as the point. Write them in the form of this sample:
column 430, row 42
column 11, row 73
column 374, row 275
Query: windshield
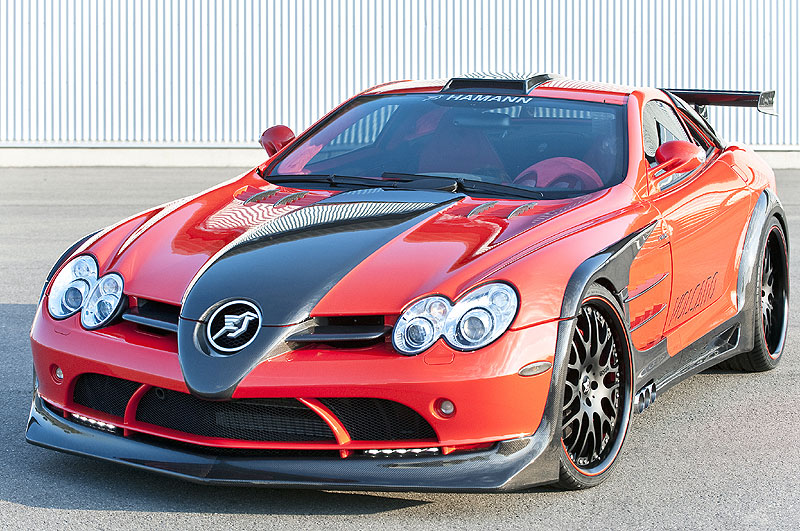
column 520, row 142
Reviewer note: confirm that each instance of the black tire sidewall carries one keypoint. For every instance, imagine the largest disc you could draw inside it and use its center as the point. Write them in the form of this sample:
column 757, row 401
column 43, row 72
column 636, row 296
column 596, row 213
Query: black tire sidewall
column 760, row 355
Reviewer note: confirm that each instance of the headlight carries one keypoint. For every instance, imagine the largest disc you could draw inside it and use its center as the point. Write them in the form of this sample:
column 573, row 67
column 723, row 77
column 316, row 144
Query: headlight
column 103, row 302
column 421, row 325
column 474, row 321
column 69, row 289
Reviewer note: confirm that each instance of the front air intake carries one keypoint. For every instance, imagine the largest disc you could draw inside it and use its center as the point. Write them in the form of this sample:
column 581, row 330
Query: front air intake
column 374, row 419
column 263, row 419
column 104, row 393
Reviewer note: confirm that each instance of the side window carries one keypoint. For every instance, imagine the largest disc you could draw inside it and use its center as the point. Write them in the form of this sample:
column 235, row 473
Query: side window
column 660, row 124
column 699, row 126
column 697, row 134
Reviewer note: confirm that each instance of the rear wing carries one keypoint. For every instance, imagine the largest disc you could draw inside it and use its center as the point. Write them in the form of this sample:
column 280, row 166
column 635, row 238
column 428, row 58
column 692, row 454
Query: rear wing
column 763, row 101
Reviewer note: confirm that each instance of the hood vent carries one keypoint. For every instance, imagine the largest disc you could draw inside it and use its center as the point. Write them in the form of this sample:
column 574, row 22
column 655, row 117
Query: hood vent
column 326, row 214
column 261, row 196
column 291, row 198
column 521, row 209
column 481, row 208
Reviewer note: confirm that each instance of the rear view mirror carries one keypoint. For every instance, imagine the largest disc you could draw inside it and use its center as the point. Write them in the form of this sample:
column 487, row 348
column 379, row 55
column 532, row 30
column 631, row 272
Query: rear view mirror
column 677, row 156
column 275, row 138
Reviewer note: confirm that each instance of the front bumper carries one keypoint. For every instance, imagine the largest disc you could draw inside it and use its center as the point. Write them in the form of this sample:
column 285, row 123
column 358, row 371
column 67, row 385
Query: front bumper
column 509, row 465
column 493, row 403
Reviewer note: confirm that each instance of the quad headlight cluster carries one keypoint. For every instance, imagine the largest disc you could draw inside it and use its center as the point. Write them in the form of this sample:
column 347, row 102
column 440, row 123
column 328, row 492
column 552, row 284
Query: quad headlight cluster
column 77, row 288
column 472, row 322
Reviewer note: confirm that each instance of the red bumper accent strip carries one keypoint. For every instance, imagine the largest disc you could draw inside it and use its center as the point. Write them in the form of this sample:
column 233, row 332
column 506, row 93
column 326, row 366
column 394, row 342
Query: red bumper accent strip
column 339, row 431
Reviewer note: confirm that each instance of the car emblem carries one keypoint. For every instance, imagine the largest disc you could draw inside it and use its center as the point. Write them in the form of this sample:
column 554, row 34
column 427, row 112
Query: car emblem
column 233, row 326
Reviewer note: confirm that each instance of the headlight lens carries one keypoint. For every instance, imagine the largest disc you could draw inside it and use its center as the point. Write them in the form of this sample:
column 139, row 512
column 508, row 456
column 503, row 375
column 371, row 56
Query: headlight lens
column 474, row 321
column 69, row 289
column 103, row 302
column 420, row 325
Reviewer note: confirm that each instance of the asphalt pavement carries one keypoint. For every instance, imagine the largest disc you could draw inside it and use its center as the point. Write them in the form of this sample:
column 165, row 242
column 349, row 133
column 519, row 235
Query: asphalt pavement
column 720, row 450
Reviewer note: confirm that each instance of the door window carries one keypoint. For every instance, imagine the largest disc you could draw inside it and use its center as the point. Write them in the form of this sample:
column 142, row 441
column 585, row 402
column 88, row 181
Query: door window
column 660, row 125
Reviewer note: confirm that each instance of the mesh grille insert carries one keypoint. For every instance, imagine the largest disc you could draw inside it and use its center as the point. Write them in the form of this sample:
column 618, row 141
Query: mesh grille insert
column 270, row 419
column 375, row 419
column 104, row 393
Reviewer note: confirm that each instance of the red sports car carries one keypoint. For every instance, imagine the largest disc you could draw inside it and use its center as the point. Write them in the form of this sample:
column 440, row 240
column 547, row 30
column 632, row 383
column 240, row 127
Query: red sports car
column 450, row 285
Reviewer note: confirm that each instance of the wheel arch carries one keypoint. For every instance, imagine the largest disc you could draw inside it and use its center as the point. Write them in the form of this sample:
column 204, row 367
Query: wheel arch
column 767, row 205
column 609, row 268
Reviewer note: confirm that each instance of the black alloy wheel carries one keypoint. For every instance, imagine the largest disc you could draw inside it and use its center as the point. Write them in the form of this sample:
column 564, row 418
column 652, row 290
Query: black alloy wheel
column 596, row 404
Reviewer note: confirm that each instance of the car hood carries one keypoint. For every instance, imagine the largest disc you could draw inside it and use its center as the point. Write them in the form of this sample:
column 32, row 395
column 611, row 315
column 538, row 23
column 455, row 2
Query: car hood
column 427, row 240
column 299, row 253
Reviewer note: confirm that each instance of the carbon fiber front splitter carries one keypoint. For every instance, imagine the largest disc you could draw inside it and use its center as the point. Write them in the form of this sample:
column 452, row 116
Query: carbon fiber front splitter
column 509, row 465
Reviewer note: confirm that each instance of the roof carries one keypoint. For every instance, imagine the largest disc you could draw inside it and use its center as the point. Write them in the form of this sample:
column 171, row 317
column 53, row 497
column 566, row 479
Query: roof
column 503, row 82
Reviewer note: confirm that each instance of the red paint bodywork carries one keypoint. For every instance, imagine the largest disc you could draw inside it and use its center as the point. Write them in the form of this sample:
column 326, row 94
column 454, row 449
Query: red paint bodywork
column 698, row 238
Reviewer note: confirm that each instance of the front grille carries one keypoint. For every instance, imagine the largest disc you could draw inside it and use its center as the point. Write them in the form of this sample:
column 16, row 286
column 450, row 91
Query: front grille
column 154, row 315
column 272, row 419
column 349, row 331
column 266, row 419
column 104, row 393
column 374, row 419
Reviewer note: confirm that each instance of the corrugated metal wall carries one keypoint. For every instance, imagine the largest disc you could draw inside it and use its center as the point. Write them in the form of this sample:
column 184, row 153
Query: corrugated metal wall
column 183, row 72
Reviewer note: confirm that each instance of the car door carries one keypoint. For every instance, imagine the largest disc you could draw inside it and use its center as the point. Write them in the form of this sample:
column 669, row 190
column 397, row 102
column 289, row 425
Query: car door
column 704, row 212
column 649, row 288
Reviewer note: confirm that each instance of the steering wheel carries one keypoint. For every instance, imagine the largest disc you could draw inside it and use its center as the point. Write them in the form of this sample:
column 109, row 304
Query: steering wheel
column 560, row 172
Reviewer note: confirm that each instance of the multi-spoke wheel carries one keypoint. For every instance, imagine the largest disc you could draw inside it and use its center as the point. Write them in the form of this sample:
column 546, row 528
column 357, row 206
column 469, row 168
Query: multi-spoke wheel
column 771, row 298
column 596, row 404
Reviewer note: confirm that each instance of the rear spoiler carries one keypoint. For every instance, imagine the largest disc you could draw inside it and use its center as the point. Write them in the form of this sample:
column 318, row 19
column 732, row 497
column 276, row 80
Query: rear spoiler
column 763, row 101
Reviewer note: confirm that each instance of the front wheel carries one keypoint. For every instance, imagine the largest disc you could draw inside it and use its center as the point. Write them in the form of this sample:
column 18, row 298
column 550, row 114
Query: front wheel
column 596, row 407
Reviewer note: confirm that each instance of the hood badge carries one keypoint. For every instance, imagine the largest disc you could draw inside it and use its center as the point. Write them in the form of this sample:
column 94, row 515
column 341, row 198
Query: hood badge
column 233, row 326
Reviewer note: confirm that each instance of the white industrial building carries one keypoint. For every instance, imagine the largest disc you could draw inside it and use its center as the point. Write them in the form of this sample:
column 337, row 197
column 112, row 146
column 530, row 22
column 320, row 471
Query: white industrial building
column 196, row 81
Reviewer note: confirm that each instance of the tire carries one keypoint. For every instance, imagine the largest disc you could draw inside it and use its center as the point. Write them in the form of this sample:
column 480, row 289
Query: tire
column 771, row 296
column 597, row 393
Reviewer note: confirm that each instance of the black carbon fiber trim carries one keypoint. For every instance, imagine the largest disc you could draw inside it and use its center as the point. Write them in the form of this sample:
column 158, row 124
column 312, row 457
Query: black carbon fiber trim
column 286, row 273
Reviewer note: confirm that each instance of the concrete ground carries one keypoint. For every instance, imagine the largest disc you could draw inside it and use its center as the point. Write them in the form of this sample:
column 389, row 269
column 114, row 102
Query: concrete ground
column 721, row 450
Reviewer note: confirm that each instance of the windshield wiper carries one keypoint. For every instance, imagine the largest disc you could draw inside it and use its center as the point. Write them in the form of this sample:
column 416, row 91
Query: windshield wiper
column 407, row 181
column 469, row 185
column 331, row 179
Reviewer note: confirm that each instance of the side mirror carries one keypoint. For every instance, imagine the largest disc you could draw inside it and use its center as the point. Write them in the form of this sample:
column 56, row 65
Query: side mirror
column 677, row 156
column 274, row 138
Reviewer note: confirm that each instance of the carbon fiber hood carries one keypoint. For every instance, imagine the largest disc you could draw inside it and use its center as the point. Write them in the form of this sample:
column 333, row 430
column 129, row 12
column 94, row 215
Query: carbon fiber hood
column 284, row 267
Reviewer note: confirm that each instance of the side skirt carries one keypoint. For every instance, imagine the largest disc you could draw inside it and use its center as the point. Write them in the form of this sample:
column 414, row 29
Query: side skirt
column 718, row 345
